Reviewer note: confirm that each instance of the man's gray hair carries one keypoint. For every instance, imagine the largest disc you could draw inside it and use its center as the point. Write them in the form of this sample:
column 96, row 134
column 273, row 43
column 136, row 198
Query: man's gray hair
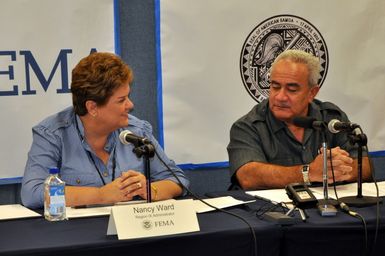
column 309, row 60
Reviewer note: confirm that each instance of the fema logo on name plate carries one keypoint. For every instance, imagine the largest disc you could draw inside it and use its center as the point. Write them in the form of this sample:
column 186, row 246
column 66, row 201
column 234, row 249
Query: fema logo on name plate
column 267, row 40
column 147, row 224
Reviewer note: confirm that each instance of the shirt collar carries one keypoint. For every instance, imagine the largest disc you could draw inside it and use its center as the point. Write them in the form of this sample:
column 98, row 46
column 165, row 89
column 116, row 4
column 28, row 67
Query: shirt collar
column 276, row 125
column 79, row 127
column 111, row 140
column 315, row 111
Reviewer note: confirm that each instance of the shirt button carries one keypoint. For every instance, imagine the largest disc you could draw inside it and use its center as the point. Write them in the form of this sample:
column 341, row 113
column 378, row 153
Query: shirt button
column 304, row 148
column 105, row 174
column 78, row 181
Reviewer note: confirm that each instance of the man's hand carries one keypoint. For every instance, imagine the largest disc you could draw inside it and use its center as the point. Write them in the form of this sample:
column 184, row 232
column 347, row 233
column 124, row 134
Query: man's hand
column 341, row 163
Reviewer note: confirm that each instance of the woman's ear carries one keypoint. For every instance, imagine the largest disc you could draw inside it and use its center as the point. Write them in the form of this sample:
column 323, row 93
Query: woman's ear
column 92, row 108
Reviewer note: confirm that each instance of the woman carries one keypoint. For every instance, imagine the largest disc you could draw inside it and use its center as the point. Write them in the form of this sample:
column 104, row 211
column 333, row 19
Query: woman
column 83, row 141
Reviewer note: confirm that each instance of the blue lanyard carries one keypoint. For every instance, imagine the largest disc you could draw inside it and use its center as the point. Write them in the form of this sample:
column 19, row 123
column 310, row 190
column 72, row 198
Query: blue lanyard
column 92, row 159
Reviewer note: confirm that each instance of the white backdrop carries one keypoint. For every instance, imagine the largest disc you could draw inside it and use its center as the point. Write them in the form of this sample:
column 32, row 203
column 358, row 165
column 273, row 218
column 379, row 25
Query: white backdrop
column 203, row 93
column 44, row 28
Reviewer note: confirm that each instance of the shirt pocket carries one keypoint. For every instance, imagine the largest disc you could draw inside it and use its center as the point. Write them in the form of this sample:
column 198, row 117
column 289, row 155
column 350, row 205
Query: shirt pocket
column 75, row 179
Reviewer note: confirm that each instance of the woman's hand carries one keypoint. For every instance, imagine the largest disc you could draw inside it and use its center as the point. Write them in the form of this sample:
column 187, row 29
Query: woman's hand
column 124, row 188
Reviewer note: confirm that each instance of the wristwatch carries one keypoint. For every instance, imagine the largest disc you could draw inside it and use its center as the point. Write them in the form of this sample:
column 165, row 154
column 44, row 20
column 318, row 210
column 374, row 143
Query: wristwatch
column 305, row 174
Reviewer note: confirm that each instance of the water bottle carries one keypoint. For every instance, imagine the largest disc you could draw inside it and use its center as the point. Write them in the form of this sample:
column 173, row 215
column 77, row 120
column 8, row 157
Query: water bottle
column 54, row 198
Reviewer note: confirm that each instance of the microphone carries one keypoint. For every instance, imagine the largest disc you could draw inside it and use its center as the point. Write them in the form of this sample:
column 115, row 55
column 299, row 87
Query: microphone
column 126, row 137
column 309, row 122
column 336, row 126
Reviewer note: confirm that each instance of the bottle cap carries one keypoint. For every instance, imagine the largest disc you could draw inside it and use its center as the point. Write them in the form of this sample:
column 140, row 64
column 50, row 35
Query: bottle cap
column 53, row 170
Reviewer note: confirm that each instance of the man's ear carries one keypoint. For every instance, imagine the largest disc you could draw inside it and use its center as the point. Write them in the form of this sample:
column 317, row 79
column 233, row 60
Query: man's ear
column 92, row 107
column 313, row 92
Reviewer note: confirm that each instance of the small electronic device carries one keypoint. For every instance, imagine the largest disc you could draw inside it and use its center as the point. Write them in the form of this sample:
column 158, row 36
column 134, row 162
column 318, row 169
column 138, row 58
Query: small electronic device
column 280, row 218
column 301, row 195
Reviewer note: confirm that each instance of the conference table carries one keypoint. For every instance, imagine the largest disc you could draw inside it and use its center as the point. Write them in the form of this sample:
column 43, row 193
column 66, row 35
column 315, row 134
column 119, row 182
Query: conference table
column 220, row 234
column 339, row 235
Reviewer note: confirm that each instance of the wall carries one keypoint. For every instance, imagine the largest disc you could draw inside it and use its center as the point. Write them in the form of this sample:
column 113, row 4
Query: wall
column 137, row 48
column 137, row 41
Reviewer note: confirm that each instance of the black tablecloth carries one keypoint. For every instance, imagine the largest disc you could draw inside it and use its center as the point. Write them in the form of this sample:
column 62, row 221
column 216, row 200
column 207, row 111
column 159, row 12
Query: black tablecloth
column 220, row 234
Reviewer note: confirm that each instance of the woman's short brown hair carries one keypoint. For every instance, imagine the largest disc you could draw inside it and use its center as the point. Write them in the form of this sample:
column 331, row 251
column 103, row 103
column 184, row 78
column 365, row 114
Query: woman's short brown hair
column 96, row 77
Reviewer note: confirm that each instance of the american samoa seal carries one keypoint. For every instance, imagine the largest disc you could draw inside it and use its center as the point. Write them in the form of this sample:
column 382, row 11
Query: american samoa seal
column 267, row 40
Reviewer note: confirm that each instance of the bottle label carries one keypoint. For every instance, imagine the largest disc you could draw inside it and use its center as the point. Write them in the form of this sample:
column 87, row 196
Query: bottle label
column 57, row 200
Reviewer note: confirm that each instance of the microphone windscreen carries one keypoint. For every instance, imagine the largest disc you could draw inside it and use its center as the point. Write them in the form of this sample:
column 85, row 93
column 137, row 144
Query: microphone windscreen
column 331, row 125
column 122, row 136
column 304, row 121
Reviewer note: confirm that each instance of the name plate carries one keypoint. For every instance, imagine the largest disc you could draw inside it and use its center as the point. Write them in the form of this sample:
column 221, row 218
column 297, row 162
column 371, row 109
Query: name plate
column 153, row 219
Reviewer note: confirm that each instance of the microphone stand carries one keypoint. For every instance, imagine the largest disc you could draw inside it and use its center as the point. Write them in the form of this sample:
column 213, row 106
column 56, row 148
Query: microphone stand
column 326, row 205
column 359, row 200
column 148, row 151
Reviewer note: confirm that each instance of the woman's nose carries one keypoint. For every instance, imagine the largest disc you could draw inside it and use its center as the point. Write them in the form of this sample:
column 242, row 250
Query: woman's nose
column 129, row 105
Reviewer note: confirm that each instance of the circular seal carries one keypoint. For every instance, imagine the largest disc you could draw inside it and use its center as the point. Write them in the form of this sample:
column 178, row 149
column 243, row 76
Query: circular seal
column 147, row 224
column 267, row 40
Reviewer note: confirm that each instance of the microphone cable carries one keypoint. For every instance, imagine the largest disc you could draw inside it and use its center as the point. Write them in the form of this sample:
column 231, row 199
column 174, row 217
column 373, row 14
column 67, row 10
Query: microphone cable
column 377, row 225
column 346, row 209
column 372, row 248
column 334, row 178
column 254, row 245
column 270, row 206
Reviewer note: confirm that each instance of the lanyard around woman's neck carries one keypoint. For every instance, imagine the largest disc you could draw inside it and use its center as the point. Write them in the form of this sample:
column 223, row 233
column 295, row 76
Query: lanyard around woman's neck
column 92, row 159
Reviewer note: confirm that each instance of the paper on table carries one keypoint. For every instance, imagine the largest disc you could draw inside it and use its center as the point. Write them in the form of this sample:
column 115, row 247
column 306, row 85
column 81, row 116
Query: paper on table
column 219, row 202
column 279, row 195
column 368, row 189
column 273, row 195
column 87, row 212
column 93, row 211
column 16, row 211
column 133, row 202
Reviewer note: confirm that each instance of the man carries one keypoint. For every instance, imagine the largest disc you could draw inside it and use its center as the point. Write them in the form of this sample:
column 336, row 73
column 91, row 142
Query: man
column 267, row 150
